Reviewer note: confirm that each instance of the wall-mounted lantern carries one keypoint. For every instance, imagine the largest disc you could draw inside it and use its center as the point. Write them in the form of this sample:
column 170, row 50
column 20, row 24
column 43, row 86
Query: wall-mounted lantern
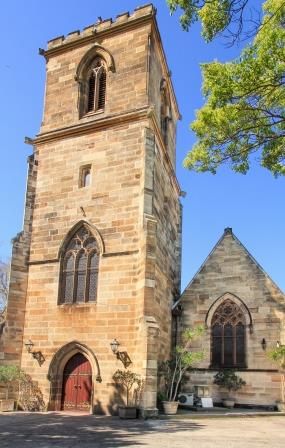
column 122, row 356
column 35, row 354
column 29, row 346
column 115, row 346
column 263, row 344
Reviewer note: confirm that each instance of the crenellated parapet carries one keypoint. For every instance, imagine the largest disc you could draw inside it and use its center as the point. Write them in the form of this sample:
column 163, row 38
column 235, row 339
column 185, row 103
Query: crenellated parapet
column 126, row 19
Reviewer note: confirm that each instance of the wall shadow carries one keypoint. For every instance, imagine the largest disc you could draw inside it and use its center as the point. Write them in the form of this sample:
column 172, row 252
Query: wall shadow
column 62, row 430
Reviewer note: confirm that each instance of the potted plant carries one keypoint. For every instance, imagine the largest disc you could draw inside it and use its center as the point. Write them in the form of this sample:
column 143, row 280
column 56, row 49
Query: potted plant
column 227, row 379
column 128, row 380
column 8, row 376
column 173, row 371
column 278, row 355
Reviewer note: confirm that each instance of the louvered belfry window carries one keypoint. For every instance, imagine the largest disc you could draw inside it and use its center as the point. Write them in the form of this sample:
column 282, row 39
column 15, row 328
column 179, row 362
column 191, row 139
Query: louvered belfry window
column 96, row 86
column 228, row 336
column 80, row 264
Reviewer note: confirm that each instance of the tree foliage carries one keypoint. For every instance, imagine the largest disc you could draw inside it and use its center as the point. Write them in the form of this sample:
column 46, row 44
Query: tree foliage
column 278, row 355
column 216, row 16
column 128, row 380
column 9, row 375
column 229, row 380
column 244, row 111
column 30, row 397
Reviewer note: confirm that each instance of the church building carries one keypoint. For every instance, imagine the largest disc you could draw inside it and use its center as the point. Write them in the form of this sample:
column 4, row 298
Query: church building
column 98, row 260
column 243, row 312
column 95, row 272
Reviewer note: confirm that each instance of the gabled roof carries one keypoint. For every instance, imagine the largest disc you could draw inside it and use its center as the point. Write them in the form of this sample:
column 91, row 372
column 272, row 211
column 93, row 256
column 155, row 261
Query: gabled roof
column 228, row 231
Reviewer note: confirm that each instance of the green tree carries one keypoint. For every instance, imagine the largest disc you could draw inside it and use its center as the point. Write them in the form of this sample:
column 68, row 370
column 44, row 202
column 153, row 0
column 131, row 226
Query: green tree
column 127, row 380
column 9, row 375
column 216, row 16
column 278, row 355
column 245, row 99
column 183, row 359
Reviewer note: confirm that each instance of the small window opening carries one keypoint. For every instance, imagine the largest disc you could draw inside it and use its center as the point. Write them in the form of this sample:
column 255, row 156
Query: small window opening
column 85, row 176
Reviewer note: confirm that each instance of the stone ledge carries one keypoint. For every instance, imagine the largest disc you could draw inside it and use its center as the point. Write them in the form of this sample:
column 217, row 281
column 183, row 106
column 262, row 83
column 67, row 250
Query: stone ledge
column 204, row 415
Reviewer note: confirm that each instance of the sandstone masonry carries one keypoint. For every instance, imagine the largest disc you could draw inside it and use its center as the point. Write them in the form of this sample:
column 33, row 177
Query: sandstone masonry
column 231, row 273
column 131, row 206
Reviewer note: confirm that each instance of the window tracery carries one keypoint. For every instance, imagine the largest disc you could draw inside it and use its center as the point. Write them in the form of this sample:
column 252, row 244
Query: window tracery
column 228, row 336
column 80, row 264
column 96, row 86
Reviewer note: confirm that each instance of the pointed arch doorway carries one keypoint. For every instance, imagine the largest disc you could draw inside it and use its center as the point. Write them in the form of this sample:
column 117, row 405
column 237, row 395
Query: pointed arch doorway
column 77, row 384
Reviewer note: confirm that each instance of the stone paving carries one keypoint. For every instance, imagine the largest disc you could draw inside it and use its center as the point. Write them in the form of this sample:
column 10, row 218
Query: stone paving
column 58, row 430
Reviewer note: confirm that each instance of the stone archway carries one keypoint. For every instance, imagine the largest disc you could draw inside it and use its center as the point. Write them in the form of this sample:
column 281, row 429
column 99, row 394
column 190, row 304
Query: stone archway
column 229, row 323
column 77, row 384
column 56, row 370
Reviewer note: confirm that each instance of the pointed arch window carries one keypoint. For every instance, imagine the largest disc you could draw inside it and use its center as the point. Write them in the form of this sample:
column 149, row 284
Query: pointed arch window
column 96, row 86
column 79, row 269
column 92, row 75
column 228, row 348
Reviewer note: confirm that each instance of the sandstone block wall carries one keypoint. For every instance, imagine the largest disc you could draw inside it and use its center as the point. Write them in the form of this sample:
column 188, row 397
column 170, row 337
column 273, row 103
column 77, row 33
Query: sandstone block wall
column 230, row 269
column 132, row 205
column 11, row 339
column 262, row 388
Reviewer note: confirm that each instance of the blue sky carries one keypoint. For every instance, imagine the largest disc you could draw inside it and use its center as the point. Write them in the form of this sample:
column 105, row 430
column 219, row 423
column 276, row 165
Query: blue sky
column 253, row 205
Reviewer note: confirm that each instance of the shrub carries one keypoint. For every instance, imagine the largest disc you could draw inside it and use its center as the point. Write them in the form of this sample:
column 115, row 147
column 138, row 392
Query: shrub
column 229, row 380
column 128, row 380
column 9, row 375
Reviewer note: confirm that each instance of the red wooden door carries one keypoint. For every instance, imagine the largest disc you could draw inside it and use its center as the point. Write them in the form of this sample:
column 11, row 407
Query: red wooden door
column 77, row 384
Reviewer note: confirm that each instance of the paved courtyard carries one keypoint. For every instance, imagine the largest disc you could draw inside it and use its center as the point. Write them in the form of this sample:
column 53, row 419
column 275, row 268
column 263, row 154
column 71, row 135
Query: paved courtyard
column 57, row 430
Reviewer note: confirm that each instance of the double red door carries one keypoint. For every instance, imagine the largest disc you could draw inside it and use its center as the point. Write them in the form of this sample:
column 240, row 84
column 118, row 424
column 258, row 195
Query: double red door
column 77, row 384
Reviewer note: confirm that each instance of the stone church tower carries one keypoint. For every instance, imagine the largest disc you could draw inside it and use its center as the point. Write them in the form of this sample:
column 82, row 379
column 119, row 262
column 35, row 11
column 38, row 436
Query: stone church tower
column 99, row 255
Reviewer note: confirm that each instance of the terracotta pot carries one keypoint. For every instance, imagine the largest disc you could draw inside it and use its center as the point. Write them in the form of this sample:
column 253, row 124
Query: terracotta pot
column 127, row 412
column 228, row 403
column 7, row 405
column 170, row 407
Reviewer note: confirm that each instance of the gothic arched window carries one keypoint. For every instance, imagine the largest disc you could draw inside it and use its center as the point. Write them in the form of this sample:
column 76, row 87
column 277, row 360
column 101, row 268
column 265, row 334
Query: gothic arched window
column 96, row 86
column 228, row 348
column 79, row 268
column 92, row 75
